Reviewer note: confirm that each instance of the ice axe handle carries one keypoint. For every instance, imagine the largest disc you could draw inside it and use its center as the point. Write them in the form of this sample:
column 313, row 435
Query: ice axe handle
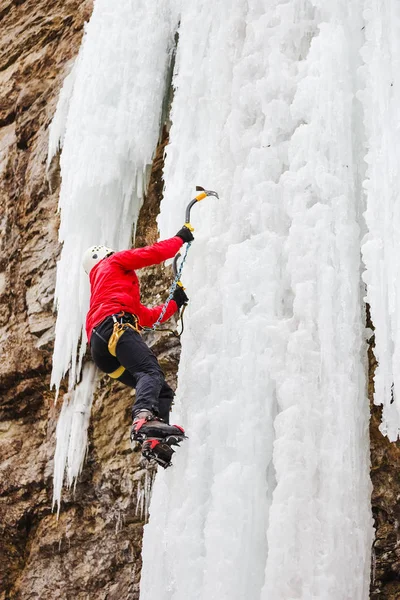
column 175, row 269
column 203, row 194
column 187, row 215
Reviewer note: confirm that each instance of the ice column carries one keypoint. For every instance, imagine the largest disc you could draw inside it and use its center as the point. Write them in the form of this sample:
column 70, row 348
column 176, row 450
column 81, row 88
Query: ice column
column 71, row 433
column 269, row 496
column 381, row 248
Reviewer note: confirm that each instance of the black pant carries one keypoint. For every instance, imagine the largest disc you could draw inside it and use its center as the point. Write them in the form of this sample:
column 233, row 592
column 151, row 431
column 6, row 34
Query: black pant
column 142, row 369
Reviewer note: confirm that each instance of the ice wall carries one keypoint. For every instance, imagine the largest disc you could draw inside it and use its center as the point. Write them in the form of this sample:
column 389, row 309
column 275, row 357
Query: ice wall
column 269, row 497
column 381, row 247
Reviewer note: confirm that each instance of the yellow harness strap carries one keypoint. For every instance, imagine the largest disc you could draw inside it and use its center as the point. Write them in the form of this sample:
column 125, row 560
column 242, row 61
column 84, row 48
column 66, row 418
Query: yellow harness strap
column 118, row 330
column 117, row 373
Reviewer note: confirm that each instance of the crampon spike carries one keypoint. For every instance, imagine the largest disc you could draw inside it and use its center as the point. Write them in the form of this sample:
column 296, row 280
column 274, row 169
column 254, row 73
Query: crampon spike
column 158, row 451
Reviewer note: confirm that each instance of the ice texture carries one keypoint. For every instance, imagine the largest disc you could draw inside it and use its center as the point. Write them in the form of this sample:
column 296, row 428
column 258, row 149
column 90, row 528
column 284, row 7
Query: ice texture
column 71, row 433
column 381, row 247
column 269, row 498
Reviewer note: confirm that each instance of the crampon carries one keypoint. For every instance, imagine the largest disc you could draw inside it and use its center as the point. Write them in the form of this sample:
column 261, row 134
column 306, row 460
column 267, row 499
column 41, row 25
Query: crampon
column 160, row 451
column 156, row 438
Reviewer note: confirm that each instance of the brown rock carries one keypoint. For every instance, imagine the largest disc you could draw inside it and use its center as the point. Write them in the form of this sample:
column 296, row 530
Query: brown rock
column 385, row 463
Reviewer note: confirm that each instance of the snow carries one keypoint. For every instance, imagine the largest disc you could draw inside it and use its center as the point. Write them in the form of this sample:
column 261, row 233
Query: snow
column 287, row 110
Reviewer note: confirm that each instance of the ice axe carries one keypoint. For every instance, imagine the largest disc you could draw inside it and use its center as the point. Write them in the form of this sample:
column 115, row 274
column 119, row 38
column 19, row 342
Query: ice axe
column 203, row 194
column 178, row 271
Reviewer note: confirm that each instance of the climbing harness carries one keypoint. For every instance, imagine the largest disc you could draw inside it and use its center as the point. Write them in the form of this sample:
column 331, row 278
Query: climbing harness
column 178, row 272
column 119, row 328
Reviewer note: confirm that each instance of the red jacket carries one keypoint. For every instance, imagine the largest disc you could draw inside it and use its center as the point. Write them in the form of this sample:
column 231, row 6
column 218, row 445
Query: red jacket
column 114, row 285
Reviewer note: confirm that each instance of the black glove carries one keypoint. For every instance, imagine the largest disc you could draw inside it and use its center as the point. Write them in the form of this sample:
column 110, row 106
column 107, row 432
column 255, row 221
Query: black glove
column 185, row 234
column 180, row 296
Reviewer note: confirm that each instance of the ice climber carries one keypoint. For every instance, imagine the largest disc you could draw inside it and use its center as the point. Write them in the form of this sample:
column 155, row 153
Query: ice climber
column 113, row 323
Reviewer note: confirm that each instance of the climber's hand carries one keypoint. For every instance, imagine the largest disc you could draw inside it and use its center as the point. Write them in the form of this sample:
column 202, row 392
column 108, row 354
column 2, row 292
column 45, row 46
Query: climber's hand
column 185, row 234
column 180, row 296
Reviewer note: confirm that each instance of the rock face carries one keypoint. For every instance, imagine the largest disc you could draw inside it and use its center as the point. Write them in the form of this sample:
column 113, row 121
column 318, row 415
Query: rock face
column 35, row 47
column 385, row 465
column 93, row 550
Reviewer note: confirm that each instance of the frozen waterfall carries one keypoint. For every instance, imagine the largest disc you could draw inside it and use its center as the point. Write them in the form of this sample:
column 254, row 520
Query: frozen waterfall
column 288, row 110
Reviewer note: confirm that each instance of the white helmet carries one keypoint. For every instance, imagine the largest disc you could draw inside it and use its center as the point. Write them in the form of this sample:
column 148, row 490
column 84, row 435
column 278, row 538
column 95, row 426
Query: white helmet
column 93, row 255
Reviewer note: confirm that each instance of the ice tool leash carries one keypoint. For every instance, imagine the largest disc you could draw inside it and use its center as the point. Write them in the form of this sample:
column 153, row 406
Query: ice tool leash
column 178, row 272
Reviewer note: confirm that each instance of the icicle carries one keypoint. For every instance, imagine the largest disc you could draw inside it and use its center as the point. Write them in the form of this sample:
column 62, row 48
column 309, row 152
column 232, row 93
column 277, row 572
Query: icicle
column 63, row 432
column 59, row 122
column 143, row 495
column 71, row 433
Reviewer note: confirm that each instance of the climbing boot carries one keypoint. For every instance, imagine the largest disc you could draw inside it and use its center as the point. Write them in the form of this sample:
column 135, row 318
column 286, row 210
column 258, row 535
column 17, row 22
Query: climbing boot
column 146, row 425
